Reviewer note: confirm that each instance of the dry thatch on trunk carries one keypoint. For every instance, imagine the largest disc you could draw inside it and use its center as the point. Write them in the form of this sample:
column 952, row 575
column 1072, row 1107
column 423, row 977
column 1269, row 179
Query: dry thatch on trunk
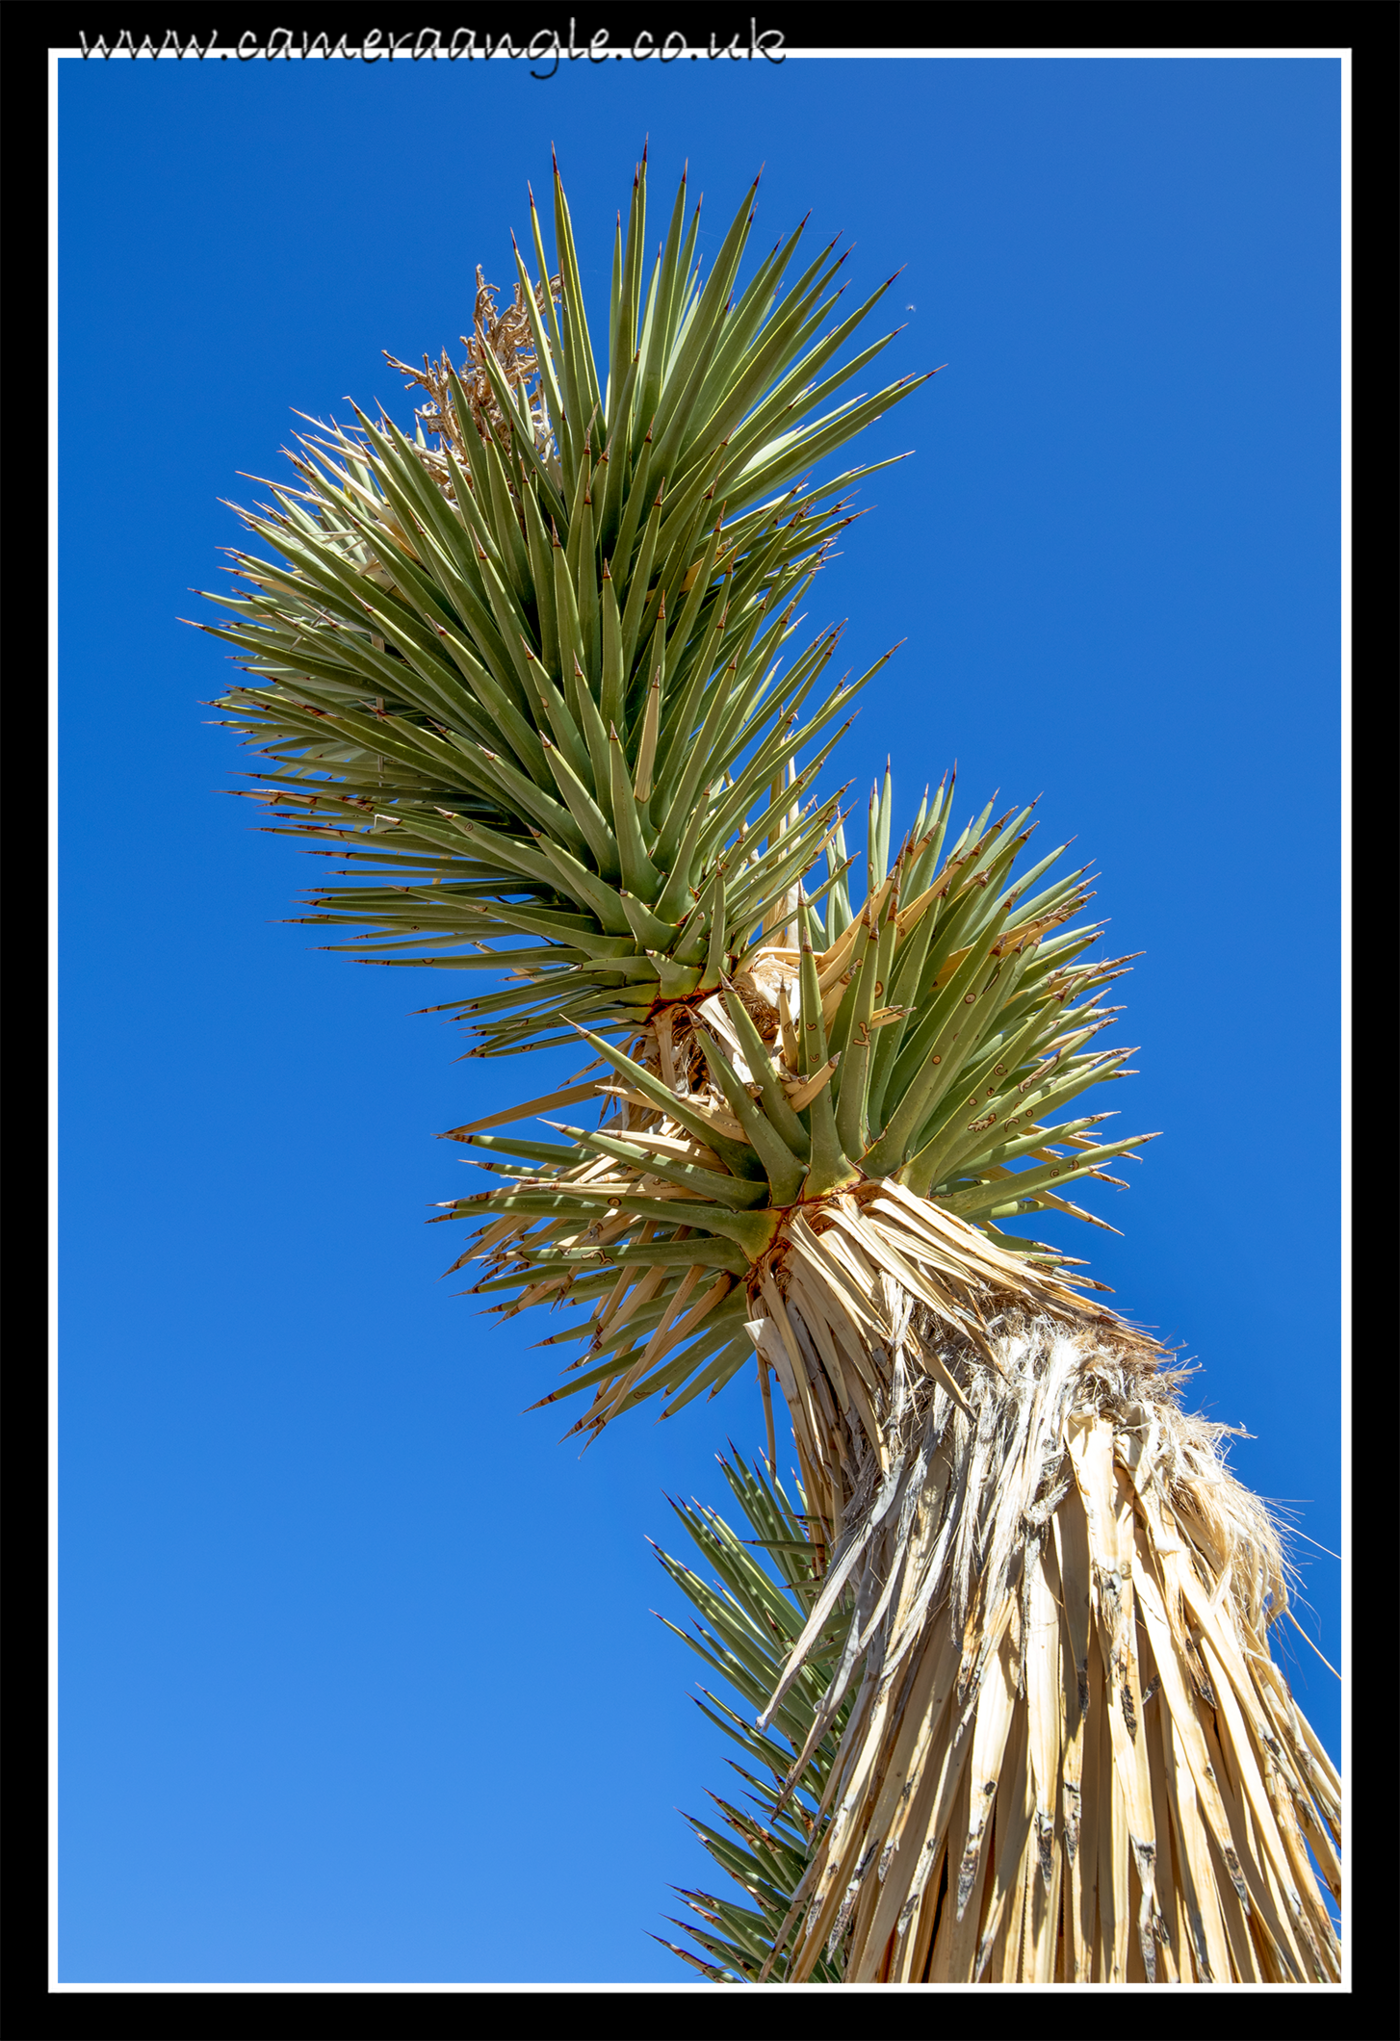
column 1070, row 1757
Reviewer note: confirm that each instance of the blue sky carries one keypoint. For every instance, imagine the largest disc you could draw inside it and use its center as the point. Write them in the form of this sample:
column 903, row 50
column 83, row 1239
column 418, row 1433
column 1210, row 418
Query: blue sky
column 359, row 1679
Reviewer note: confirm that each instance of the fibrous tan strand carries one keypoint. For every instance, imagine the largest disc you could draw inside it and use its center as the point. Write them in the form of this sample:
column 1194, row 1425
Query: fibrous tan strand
column 1063, row 1569
column 507, row 337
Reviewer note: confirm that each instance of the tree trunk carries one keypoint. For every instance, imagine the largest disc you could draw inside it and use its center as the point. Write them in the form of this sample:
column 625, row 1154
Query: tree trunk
column 1070, row 1757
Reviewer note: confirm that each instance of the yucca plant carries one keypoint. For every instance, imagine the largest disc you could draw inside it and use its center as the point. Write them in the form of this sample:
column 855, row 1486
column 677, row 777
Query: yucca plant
column 767, row 1587
column 522, row 670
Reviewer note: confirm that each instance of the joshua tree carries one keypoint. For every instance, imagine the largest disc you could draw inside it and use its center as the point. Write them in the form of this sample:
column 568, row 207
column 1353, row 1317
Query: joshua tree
column 521, row 671
column 746, row 1628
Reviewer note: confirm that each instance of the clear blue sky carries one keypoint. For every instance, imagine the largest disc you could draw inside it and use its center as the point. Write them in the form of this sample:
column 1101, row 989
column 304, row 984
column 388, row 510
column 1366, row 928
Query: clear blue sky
column 359, row 1676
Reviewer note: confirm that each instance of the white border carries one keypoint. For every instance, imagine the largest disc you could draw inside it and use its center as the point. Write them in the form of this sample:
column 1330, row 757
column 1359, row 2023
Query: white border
column 1345, row 904
column 54, row 1984
column 52, row 978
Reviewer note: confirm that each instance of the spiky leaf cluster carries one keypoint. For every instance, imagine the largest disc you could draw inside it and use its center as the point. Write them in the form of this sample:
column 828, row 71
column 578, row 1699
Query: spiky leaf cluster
column 528, row 677
column 747, row 1627
column 931, row 1040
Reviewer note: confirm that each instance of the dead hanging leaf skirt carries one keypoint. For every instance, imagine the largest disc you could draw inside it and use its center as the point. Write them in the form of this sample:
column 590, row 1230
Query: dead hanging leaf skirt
column 1070, row 1757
